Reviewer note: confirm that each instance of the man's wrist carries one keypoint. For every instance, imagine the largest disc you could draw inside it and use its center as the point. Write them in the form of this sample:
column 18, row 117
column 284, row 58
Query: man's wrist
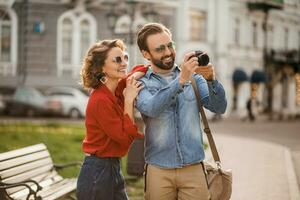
column 182, row 81
column 210, row 78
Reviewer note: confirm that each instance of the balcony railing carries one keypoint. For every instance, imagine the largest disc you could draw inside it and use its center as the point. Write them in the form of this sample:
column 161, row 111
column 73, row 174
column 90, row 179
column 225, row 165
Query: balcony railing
column 265, row 4
column 284, row 57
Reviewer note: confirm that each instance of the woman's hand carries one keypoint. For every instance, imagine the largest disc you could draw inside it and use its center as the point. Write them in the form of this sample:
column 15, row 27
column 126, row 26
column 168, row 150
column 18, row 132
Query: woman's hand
column 137, row 75
column 132, row 89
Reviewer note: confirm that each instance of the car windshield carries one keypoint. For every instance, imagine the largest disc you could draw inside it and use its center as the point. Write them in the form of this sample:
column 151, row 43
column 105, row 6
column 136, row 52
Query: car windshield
column 29, row 95
column 64, row 91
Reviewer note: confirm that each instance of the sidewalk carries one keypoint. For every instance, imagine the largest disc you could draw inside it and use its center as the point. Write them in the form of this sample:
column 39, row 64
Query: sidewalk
column 261, row 170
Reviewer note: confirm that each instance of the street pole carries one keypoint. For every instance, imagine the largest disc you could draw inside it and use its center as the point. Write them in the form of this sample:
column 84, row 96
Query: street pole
column 23, row 64
column 131, row 32
column 266, row 66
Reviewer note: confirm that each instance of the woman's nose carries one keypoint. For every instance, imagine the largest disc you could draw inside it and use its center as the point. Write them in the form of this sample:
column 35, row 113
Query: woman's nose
column 124, row 63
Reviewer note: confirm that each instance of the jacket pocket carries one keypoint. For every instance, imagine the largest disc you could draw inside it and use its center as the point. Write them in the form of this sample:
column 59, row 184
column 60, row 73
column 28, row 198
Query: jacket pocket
column 188, row 93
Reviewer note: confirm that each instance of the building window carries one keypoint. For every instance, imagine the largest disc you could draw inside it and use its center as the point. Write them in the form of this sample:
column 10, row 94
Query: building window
column 85, row 39
column 254, row 34
column 8, row 44
column 299, row 41
column 76, row 32
column 198, row 25
column 236, row 32
column 5, row 42
column 286, row 38
column 67, row 30
column 270, row 35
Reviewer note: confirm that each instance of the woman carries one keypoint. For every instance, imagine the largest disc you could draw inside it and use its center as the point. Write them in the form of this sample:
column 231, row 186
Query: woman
column 110, row 127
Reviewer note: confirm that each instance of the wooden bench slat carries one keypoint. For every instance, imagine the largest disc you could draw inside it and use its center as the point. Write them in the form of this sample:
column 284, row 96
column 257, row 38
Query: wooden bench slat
column 24, row 159
column 43, row 180
column 54, row 191
column 24, row 192
column 66, row 189
column 33, row 163
column 22, row 151
column 26, row 167
column 29, row 174
column 52, row 188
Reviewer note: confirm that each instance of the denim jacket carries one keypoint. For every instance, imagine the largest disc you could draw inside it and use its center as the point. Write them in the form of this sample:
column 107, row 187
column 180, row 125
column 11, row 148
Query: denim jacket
column 173, row 136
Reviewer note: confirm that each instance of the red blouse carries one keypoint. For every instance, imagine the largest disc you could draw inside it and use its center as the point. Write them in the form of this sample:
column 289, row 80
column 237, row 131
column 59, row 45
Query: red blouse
column 109, row 132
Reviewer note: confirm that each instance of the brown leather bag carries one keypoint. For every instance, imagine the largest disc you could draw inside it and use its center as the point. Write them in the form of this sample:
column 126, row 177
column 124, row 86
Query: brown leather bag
column 219, row 181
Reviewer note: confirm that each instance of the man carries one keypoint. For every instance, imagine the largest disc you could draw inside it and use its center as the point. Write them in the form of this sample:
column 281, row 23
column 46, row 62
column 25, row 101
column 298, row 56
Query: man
column 173, row 137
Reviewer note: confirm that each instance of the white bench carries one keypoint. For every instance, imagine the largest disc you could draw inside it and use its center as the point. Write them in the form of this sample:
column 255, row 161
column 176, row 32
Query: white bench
column 29, row 173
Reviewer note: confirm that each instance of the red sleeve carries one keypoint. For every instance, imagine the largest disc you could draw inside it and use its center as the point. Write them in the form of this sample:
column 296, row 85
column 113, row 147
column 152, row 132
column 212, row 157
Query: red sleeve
column 119, row 128
column 138, row 68
column 122, row 82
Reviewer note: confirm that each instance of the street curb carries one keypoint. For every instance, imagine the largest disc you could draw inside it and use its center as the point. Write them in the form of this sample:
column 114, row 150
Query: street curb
column 291, row 175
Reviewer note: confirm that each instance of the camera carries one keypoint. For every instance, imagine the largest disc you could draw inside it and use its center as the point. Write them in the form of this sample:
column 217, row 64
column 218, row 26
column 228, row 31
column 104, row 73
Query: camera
column 203, row 58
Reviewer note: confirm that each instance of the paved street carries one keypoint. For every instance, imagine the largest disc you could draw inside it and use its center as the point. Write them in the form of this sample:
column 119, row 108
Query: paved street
column 264, row 157
column 286, row 133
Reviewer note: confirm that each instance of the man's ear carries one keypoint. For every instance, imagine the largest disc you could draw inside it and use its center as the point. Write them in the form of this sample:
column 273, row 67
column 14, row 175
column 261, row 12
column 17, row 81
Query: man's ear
column 146, row 54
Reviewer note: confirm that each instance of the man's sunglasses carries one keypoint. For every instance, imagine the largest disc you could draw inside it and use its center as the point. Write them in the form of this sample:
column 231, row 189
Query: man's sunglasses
column 119, row 59
column 162, row 48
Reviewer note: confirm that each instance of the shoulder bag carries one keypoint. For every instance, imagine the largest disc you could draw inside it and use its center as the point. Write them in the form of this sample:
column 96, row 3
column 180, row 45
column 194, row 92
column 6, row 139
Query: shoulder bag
column 219, row 181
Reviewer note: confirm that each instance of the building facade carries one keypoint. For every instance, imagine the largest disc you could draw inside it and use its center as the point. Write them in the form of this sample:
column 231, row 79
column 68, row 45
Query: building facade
column 43, row 42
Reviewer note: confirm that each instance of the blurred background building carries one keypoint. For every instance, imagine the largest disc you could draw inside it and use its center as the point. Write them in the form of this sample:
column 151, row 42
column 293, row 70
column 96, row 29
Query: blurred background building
column 42, row 42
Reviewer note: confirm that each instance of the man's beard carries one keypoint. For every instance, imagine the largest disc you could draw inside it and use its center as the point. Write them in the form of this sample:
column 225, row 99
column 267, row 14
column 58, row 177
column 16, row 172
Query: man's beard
column 163, row 65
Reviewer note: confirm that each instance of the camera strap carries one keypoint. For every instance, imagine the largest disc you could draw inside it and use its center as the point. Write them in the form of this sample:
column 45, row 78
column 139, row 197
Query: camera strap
column 207, row 130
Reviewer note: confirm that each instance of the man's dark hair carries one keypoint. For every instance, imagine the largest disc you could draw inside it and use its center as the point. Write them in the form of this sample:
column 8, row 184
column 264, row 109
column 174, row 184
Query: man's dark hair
column 146, row 31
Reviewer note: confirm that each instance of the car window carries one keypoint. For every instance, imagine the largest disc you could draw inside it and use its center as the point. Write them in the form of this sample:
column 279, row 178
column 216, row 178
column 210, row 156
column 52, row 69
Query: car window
column 21, row 95
column 28, row 95
column 60, row 94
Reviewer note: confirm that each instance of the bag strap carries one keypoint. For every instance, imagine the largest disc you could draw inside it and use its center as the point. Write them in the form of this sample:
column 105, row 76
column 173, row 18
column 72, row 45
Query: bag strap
column 207, row 130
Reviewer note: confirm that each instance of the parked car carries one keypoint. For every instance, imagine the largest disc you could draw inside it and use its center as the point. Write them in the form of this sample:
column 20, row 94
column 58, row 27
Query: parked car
column 2, row 104
column 69, row 101
column 26, row 101
column 5, row 94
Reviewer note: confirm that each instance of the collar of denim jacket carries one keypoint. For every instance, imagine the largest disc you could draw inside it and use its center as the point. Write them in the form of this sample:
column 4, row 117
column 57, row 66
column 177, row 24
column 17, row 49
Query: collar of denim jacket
column 150, row 71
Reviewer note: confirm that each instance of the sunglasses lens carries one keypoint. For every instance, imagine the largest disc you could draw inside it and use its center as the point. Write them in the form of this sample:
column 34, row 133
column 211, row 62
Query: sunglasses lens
column 118, row 59
column 126, row 58
column 171, row 45
column 161, row 48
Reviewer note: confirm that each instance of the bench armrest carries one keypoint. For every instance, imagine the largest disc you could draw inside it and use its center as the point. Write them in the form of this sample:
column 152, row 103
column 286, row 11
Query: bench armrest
column 61, row 166
column 38, row 187
column 12, row 185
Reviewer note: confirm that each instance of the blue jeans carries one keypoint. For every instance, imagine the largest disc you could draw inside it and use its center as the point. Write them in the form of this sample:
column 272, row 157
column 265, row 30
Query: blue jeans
column 101, row 179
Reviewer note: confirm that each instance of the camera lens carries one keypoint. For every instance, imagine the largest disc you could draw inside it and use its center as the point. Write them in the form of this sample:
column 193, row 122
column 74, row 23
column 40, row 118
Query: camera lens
column 203, row 58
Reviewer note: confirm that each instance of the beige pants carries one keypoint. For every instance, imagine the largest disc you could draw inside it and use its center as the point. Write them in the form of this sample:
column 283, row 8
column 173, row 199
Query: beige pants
column 187, row 183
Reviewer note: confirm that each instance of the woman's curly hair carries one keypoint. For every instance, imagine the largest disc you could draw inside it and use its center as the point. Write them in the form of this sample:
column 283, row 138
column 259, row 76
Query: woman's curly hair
column 94, row 61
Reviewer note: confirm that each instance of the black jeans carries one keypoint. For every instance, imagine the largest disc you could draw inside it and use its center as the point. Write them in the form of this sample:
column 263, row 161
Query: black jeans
column 101, row 179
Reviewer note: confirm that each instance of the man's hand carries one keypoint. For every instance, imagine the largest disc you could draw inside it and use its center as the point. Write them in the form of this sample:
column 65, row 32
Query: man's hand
column 208, row 72
column 188, row 66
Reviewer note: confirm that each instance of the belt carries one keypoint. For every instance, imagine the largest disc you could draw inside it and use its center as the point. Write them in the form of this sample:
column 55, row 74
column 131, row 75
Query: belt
column 103, row 158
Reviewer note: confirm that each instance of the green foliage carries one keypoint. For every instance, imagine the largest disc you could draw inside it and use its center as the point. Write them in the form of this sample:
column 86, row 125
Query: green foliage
column 64, row 143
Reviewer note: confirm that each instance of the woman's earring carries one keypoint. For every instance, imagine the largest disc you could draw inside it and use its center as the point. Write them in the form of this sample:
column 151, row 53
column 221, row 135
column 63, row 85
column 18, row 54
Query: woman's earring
column 102, row 77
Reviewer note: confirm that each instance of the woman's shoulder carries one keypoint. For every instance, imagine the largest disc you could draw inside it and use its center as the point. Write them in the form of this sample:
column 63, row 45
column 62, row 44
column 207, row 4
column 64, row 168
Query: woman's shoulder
column 98, row 96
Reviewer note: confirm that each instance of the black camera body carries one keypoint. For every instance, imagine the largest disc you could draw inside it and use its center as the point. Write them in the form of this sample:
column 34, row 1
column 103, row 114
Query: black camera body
column 203, row 58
